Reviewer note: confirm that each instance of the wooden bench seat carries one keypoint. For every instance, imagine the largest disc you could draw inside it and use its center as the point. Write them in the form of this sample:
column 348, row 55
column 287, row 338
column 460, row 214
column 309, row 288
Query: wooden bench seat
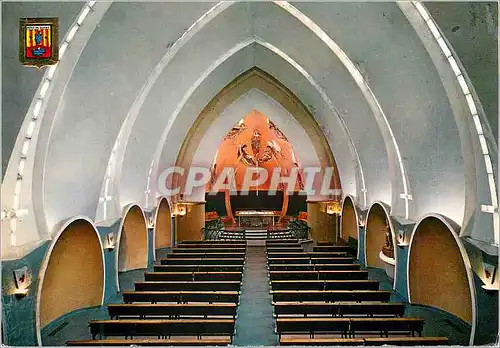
column 325, row 285
column 370, row 309
column 313, row 325
column 387, row 325
column 331, row 295
column 209, row 250
column 201, row 285
column 282, row 241
column 284, row 249
column 318, row 275
column 181, row 296
column 143, row 310
column 330, row 248
column 196, row 276
column 243, row 242
column 314, row 260
column 198, row 268
column 206, row 255
column 178, row 341
column 406, row 341
column 161, row 327
column 314, row 267
column 291, row 255
column 307, row 341
column 212, row 245
column 202, row 261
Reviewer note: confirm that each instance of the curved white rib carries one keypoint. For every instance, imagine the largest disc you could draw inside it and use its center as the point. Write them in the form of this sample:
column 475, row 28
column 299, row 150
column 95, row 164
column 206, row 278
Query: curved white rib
column 117, row 156
column 223, row 58
column 360, row 81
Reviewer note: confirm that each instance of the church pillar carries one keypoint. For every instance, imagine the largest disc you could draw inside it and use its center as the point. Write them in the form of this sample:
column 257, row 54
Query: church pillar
column 189, row 220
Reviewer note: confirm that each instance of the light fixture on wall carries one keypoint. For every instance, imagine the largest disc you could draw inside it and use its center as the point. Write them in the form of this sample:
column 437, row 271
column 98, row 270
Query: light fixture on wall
column 332, row 207
column 110, row 242
column 490, row 272
column 151, row 222
column 180, row 209
column 21, row 282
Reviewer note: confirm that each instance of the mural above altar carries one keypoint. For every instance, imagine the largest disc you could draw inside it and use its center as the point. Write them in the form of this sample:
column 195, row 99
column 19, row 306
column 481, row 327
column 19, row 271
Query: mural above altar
column 257, row 218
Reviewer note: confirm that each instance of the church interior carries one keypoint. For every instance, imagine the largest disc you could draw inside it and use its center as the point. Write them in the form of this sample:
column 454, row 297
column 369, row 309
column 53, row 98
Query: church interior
column 252, row 173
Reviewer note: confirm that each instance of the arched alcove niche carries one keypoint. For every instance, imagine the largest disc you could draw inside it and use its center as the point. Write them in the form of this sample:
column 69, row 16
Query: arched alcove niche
column 72, row 275
column 163, row 225
column 439, row 272
column 380, row 239
column 132, row 242
column 349, row 222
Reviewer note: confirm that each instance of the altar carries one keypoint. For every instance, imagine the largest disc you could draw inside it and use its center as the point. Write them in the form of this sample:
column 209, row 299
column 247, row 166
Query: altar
column 257, row 218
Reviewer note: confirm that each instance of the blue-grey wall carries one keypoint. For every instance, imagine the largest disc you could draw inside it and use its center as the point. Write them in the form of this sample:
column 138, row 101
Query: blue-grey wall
column 19, row 314
column 401, row 269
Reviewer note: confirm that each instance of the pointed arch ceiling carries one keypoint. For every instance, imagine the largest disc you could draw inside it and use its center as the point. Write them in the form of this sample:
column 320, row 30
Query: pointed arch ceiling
column 387, row 118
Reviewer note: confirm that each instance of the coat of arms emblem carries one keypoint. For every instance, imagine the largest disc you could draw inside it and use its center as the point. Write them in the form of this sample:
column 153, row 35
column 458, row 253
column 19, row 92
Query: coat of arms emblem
column 39, row 41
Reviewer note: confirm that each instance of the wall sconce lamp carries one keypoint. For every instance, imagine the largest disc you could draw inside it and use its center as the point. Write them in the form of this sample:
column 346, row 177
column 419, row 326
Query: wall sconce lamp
column 151, row 222
column 110, row 242
column 180, row 209
column 21, row 282
column 490, row 272
column 332, row 208
column 401, row 238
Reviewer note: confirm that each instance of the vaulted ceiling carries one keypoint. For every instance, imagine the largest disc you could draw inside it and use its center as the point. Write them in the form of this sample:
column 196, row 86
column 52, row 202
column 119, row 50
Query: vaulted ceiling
column 136, row 76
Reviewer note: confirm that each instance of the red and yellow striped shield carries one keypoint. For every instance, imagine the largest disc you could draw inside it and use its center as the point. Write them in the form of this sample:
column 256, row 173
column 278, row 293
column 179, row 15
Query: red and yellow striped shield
column 39, row 41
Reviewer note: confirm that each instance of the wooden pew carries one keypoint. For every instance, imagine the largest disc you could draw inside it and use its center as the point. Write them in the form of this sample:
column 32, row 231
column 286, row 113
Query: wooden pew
column 291, row 255
column 188, row 285
column 208, row 250
column 161, row 327
column 314, row 267
column 406, row 341
column 212, row 245
column 328, row 260
column 181, row 296
column 163, row 276
column 385, row 326
column 325, row 285
column 173, row 310
column 198, row 268
column 367, row 309
column 318, row 275
column 284, row 249
column 244, row 242
column 331, row 295
column 307, row 341
column 178, row 341
column 206, row 255
column 330, row 248
column 306, row 260
column 282, row 241
column 312, row 326
column 202, row 261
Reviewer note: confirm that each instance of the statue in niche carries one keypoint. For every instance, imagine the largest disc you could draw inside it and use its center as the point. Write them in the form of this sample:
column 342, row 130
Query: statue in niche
column 388, row 248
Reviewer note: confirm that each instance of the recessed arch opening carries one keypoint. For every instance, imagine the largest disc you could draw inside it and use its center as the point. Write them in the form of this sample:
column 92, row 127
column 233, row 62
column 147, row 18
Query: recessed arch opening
column 380, row 240
column 439, row 272
column 132, row 252
column 349, row 222
column 163, row 225
column 72, row 275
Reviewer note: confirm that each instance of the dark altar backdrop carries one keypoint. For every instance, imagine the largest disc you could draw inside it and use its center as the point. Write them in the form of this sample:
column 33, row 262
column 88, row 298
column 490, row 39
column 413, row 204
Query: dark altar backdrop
column 296, row 202
column 215, row 203
column 257, row 200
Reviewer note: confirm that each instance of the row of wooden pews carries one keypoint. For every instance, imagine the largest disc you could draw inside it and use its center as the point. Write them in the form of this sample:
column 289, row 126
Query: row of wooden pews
column 189, row 299
column 324, row 298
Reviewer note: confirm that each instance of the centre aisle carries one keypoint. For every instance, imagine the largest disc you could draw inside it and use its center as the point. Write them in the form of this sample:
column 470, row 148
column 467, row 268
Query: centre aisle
column 255, row 322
